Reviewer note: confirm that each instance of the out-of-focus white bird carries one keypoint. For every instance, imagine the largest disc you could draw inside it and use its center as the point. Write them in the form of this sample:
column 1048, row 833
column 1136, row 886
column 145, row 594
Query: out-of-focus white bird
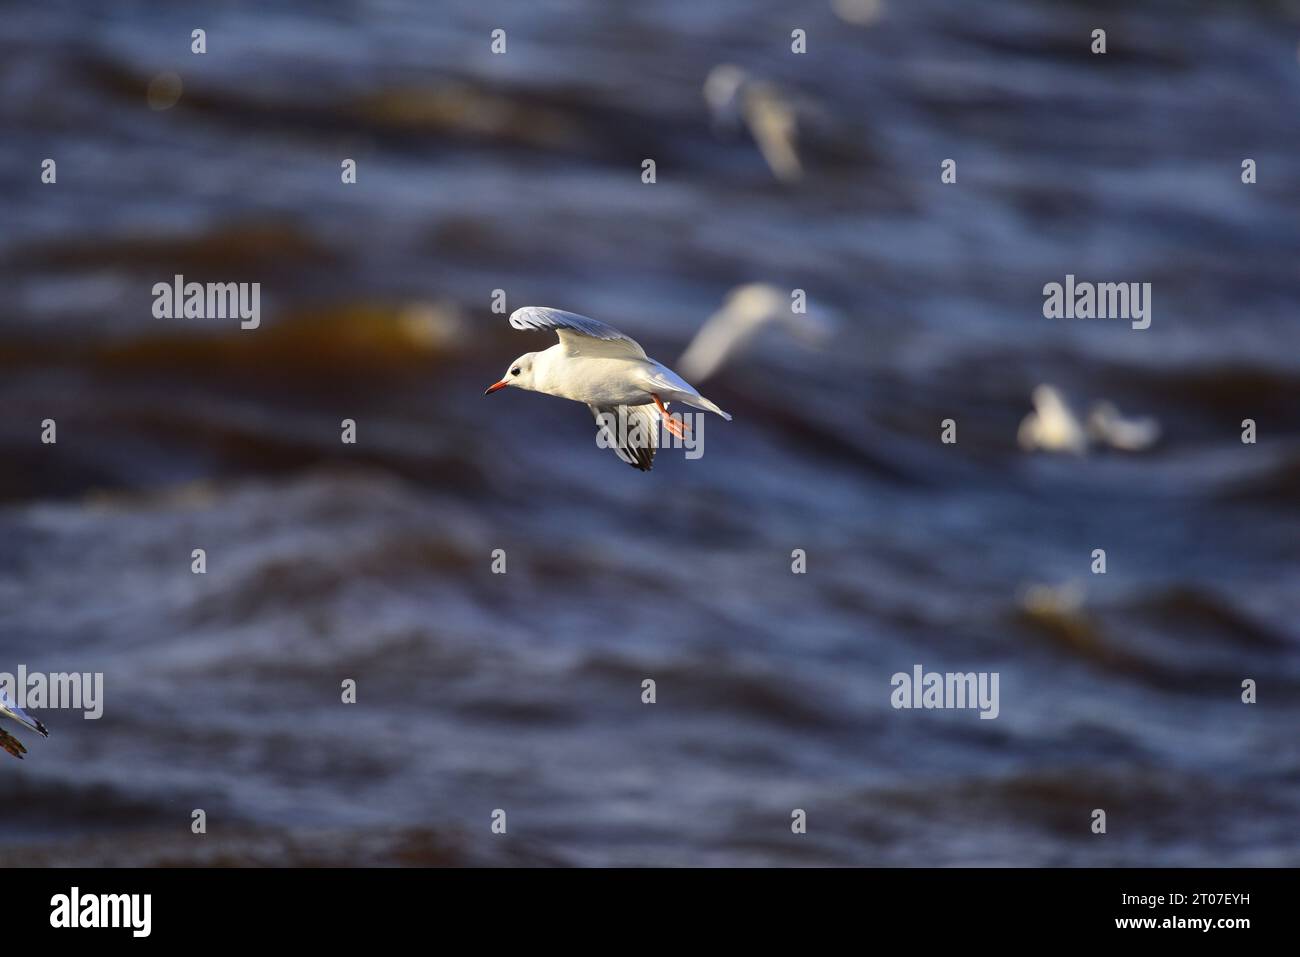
column 745, row 311
column 10, row 710
column 1107, row 426
column 1052, row 426
column 595, row 364
column 733, row 95
column 1053, row 600
column 860, row 12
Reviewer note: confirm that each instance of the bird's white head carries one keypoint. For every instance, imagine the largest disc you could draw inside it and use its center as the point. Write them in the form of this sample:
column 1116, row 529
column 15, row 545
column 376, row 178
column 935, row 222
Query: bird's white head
column 519, row 375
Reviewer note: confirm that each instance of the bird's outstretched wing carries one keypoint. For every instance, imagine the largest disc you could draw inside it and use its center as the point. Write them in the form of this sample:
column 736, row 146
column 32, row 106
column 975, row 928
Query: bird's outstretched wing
column 580, row 335
column 11, row 744
column 632, row 431
column 775, row 125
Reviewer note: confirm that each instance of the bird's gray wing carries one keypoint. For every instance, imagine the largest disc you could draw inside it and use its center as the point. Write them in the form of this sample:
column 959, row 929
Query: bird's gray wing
column 632, row 431
column 721, row 337
column 580, row 335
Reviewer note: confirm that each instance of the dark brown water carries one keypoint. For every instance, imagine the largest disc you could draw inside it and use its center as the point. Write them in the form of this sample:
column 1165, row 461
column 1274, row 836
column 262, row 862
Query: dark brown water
column 523, row 691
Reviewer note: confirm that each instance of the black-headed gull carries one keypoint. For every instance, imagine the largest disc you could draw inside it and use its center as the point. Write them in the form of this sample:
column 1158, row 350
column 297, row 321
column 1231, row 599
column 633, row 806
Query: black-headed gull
column 595, row 364
column 10, row 710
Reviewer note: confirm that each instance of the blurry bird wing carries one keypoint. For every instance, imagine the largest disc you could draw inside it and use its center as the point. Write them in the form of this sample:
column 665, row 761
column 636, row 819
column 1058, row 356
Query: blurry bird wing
column 716, row 342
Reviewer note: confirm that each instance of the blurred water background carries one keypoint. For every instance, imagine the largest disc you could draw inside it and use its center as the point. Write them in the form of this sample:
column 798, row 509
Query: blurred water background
column 523, row 691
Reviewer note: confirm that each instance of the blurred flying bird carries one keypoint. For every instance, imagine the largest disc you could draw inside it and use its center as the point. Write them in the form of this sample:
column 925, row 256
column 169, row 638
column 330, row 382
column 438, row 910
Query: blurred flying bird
column 10, row 710
column 1053, row 600
column 746, row 310
column 1107, row 426
column 734, row 95
column 859, row 12
column 1052, row 426
column 595, row 364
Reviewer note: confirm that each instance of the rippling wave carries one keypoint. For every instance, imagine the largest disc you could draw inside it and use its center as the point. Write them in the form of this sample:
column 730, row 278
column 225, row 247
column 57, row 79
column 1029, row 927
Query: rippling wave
column 372, row 561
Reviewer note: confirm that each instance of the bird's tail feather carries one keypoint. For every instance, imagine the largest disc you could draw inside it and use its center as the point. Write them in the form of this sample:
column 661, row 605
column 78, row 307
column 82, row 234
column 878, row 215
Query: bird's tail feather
column 26, row 720
column 702, row 403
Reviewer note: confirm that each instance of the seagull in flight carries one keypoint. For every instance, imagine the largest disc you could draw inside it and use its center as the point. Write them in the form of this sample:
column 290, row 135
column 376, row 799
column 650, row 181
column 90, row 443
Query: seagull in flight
column 594, row 363
column 10, row 710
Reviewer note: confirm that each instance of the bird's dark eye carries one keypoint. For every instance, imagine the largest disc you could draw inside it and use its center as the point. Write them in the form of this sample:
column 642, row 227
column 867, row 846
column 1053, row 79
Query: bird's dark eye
column 515, row 371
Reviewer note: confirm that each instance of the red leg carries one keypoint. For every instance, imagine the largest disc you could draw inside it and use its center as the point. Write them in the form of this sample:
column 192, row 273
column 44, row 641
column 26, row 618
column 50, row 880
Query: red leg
column 675, row 426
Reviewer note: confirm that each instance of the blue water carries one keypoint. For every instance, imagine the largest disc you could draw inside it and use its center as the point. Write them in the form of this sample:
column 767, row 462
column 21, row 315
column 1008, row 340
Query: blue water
column 523, row 691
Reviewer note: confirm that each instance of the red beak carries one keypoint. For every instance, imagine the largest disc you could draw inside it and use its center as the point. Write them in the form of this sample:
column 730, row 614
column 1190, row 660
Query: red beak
column 494, row 386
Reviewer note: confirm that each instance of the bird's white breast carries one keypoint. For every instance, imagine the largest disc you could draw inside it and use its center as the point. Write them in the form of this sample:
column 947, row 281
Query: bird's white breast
column 596, row 380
